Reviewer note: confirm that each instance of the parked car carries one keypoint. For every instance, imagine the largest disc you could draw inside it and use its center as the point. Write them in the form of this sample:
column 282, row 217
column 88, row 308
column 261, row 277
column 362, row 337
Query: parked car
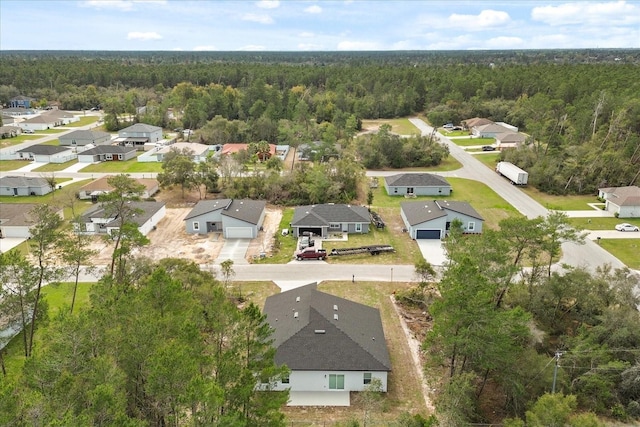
column 626, row 227
column 488, row 148
column 306, row 242
column 29, row 131
column 311, row 253
column 448, row 126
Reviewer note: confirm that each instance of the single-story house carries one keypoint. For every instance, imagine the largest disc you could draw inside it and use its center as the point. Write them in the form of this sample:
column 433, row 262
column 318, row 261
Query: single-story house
column 18, row 112
column 101, row 186
column 624, row 201
column 9, row 131
column 21, row 101
column 237, row 219
column 330, row 344
column 81, row 138
column 7, row 120
column 96, row 221
column 327, row 218
column 107, row 153
column 40, row 123
column 23, row 186
column 476, row 121
column 139, row 134
column 509, row 140
column 16, row 219
column 418, row 184
column 488, row 130
column 46, row 153
column 64, row 116
column 432, row 219
column 199, row 152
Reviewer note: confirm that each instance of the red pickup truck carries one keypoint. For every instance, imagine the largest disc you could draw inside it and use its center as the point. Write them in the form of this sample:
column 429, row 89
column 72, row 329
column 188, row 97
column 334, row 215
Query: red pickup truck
column 311, row 253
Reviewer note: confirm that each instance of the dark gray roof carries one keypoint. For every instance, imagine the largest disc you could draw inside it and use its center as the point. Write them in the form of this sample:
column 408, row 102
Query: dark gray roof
column 416, row 180
column 246, row 210
column 322, row 215
column 44, row 149
column 105, row 149
column 329, row 333
column 148, row 210
column 206, row 206
column 427, row 210
column 22, row 181
column 85, row 134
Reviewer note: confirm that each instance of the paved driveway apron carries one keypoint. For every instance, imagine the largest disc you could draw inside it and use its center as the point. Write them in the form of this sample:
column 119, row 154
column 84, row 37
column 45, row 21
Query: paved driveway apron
column 433, row 251
column 235, row 250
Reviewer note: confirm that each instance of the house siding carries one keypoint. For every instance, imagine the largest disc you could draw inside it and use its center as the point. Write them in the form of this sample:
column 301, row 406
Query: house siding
column 209, row 217
column 319, row 380
column 419, row 191
column 629, row 212
column 16, row 231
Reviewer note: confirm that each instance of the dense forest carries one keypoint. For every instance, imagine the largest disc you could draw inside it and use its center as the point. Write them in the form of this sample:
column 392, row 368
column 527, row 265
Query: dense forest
column 579, row 108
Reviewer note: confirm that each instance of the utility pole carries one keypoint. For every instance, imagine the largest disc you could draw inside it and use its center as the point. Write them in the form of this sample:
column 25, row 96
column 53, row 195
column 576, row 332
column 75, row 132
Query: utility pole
column 555, row 372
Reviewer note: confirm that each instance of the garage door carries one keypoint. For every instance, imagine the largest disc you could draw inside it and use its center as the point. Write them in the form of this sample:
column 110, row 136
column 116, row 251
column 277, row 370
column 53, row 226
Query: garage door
column 238, row 233
column 427, row 234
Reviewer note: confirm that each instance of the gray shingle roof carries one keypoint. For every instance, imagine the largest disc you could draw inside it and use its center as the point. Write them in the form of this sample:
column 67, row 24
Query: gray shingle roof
column 148, row 210
column 206, row 206
column 22, row 181
column 318, row 215
column 140, row 127
column 44, row 149
column 246, row 210
column 422, row 211
column 416, row 180
column 352, row 337
column 85, row 134
column 106, row 149
column 16, row 214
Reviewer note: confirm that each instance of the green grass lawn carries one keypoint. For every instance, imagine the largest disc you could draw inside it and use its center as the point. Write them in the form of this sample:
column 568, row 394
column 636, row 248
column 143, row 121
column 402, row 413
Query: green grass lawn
column 561, row 203
column 58, row 197
column 448, row 134
column 466, row 142
column 51, row 131
column 626, row 250
column 11, row 165
column 129, row 166
column 287, row 244
column 601, row 223
column 55, row 142
column 59, row 298
column 55, row 167
column 489, row 159
column 399, row 126
column 84, row 120
column 9, row 142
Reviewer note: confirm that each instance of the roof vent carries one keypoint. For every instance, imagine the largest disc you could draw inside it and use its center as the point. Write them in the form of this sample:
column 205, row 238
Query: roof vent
column 297, row 299
column 319, row 331
column 335, row 316
column 335, row 307
column 295, row 315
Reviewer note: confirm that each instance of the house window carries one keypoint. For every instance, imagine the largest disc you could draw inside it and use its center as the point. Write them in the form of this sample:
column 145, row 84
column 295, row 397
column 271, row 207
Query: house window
column 409, row 190
column 119, row 156
column 336, row 382
column 367, row 378
column 334, row 226
column 471, row 226
column 285, row 379
column 395, row 190
column 108, row 156
column 358, row 228
column 196, row 226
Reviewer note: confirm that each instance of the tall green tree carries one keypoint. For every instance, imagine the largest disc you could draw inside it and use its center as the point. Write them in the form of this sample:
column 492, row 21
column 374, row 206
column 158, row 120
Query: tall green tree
column 179, row 168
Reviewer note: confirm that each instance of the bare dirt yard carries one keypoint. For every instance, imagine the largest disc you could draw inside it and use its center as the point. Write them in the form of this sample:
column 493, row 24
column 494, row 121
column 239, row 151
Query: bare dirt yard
column 170, row 239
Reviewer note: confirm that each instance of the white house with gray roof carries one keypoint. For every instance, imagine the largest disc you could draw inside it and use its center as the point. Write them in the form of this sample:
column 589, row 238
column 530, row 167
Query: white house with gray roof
column 23, row 186
column 139, row 134
column 321, row 220
column 417, row 184
column 624, row 201
column 236, row 219
column 81, row 138
column 107, row 153
column 16, row 219
column 46, row 153
column 97, row 221
column 431, row 219
column 330, row 344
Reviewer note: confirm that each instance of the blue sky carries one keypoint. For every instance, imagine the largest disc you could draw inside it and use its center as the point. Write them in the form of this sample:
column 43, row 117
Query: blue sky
column 290, row 25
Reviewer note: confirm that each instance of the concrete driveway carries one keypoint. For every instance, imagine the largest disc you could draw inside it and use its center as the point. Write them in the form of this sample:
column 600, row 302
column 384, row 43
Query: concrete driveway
column 433, row 251
column 235, row 250
column 7, row 243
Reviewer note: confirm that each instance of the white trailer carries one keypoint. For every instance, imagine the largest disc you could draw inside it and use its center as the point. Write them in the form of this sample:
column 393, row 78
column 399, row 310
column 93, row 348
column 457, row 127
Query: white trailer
column 516, row 175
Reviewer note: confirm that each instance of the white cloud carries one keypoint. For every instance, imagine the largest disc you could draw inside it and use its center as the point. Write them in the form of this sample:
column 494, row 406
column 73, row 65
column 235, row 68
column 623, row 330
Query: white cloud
column 601, row 14
column 262, row 19
column 124, row 5
column 268, row 4
column 350, row 45
column 313, row 9
column 252, row 47
column 306, row 34
column 204, row 48
column 486, row 19
column 137, row 35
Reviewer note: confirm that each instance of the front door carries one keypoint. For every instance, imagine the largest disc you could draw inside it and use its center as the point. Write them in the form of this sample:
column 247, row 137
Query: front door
column 15, row 191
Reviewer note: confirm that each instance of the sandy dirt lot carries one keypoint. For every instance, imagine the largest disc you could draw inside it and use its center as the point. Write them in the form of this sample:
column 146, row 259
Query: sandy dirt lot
column 170, row 239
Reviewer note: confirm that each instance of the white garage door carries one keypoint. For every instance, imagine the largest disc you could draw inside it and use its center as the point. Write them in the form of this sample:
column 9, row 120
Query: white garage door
column 238, row 233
